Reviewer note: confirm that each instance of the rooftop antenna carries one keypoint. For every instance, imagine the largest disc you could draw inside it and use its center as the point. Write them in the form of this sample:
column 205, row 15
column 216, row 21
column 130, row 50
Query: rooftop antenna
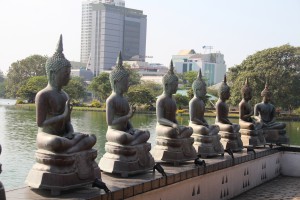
column 207, row 48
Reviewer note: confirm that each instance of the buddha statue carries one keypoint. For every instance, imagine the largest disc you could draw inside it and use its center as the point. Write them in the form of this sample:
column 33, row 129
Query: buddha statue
column 173, row 141
column 2, row 190
column 207, row 139
column 251, row 130
column 127, row 150
column 264, row 113
column 230, row 135
column 63, row 155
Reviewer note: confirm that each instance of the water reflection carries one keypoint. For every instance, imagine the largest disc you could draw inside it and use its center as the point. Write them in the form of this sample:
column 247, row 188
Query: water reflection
column 18, row 131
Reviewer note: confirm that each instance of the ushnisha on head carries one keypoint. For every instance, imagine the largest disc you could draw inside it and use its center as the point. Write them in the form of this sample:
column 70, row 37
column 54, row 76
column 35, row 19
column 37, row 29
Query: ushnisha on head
column 246, row 89
column 170, row 78
column 199, row 83
column 266, row 92
column 56, row 62
column 224, row 90
column 118, row 73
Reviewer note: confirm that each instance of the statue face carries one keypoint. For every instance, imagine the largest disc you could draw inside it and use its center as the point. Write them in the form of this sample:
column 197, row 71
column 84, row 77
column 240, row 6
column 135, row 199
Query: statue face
column 172, row 87
column 62, row 76
column 248, row 96
column 123, row 84
column 267, row 98
column 201, row 92
column 226, row 95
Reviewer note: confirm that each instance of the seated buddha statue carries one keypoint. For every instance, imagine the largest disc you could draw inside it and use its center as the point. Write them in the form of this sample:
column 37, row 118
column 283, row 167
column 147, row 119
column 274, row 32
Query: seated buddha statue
column 207, row 139
column 123, row 139
column 250, row 129
column 229, row 131
column 264, row 113
column 167, row 127
column 58, row 145
column 2, row 190
column 118, row 111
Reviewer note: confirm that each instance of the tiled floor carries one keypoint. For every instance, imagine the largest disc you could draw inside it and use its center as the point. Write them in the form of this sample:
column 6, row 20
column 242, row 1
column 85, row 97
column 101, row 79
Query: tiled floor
column 280, row 188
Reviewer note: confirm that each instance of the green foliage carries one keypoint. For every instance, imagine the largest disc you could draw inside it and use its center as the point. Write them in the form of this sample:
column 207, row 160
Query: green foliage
column 140, row 95
column 134, row 76
column 95, row 103
column 20, row 101
column 189, row 77
column 181, row 100
column 1, row 77
column 155, row 88
column 31, row 87
column 75, row 89
column 100, row 86
column 280, row 66
column 190, row 93
column 2, row 89
column 20, row 71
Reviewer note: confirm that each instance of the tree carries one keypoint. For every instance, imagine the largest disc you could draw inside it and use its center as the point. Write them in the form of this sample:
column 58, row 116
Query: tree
column 75, row 88
column 20, row 71
column 189, row 77
column 30, row 89
column 134, row 76
column 101, row 87
column 140, row 95
column 1, row 77
column 280, row 66
column 155, row 88
column 181, row 100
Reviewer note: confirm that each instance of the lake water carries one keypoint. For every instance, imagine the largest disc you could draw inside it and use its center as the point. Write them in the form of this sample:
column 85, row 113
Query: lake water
column 18, row 131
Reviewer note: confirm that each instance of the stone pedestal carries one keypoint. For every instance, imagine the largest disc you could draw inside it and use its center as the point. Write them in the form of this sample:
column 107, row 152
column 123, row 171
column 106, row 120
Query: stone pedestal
column 231, row 141
column 57, row 172
column 126, row 160
column 174, row 150
column 2, row 192
column 208, row 145
column 252, row 137
column 276, row 136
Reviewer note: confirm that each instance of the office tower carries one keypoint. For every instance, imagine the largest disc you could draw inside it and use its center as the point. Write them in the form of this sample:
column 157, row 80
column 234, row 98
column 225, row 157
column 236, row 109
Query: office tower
column 108, row 28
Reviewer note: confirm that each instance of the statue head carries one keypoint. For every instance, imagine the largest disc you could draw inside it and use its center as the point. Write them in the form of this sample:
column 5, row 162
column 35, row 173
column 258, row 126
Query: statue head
column 199, row 86
column 58, row 68
column 119, row 76
column 170, row 81
column 266, row 94
column 224, row 90
column 246, row 91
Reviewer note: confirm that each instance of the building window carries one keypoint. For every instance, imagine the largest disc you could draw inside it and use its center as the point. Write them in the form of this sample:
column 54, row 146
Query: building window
column 190, row 67
column 184, row 68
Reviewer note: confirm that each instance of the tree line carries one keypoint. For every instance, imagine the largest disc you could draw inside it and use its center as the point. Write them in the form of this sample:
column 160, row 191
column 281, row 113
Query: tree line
column 279, row 66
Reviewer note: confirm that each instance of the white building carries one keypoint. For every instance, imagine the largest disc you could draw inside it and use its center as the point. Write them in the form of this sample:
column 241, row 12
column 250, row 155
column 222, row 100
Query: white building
column 148, row 71
column 108, row 28
column 212, row 65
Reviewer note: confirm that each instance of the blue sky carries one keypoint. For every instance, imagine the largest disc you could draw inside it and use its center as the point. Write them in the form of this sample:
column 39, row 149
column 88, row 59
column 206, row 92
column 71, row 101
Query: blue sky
column 236, row 28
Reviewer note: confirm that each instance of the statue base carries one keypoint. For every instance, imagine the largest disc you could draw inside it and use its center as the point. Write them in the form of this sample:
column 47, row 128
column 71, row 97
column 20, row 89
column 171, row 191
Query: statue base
column 208, row 145
column 276, row 136
column 252, row 137
column 231, row 141
column 2, row 191
column 57, row 172
column 174, row 150
column 126, row 160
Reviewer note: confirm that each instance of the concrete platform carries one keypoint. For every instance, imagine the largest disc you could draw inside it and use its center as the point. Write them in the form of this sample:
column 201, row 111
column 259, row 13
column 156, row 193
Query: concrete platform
column 137, row 186
column 282, row 187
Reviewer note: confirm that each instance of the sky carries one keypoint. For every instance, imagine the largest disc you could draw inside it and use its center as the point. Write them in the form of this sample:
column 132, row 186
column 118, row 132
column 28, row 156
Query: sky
column 236, row 28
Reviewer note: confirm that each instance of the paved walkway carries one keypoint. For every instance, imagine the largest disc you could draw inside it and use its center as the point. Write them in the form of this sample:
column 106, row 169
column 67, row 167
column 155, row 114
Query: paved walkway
column 280, row 188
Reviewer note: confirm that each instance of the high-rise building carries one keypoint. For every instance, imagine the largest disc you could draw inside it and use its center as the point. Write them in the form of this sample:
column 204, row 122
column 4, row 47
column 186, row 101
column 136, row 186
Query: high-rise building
column 212, row 65
column 108, row 28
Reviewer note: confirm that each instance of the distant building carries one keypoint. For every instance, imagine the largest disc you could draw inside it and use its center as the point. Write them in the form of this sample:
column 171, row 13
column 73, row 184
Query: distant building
column 212, row 65
column 108, row 28
column 148, row 71
column 79, row 70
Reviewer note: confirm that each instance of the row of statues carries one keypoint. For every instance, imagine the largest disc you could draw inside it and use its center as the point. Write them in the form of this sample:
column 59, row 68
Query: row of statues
column 65, row 159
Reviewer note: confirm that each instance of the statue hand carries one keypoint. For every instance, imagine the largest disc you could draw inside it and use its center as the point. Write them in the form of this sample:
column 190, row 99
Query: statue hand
column 131, row 111
column 68, row 108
